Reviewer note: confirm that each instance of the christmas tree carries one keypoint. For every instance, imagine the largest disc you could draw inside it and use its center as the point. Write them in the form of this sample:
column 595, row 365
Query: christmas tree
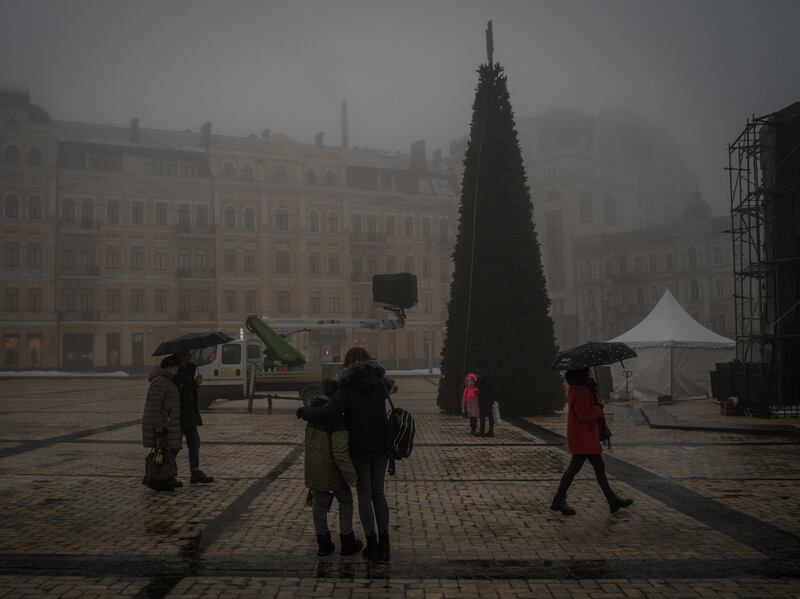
column 498, row 323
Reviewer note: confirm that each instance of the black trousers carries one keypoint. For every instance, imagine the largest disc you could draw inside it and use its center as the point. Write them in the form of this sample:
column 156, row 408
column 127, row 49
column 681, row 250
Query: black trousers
column 486, row 412
column 473, row 423
column 596, row 460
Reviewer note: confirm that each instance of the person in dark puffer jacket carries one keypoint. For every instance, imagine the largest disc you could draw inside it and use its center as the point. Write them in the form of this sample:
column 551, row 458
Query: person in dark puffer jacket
column 361, row 398
column 161, row 419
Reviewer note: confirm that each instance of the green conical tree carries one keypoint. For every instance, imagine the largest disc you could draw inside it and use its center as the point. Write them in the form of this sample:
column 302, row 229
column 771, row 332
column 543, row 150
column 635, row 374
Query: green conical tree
column 498, row 323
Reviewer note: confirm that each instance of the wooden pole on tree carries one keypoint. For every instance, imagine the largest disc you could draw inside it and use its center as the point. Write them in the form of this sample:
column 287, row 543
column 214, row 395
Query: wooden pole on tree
column 489, row 43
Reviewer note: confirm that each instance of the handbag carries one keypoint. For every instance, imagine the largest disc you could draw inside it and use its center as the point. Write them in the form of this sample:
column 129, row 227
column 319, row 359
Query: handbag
column 159, row 465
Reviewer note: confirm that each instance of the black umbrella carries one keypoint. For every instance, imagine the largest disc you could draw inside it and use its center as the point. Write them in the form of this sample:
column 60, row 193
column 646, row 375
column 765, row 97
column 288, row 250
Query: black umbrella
column 191, row 341
column 594, row 353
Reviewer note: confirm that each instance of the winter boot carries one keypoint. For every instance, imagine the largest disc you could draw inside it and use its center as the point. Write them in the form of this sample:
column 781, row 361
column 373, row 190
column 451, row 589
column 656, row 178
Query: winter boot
column 383, row 546
column 350, row 544
column 371, row 551
column 560, row 505
column 199, row 478
column 615, row 503
column 324, row 545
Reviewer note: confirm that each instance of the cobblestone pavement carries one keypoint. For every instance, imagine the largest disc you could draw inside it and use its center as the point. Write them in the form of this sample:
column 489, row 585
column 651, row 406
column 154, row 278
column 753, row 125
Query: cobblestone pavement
column 715, row 515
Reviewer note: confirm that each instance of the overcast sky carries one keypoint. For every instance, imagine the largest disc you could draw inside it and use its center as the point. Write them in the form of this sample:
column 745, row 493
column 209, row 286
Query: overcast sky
column 698, row 68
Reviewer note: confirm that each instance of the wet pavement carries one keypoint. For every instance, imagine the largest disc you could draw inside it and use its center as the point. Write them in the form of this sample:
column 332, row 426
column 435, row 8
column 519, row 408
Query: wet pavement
column 715, row 514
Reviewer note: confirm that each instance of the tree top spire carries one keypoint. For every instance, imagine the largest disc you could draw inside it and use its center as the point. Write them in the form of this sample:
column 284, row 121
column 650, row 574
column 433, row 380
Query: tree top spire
column 489, row 43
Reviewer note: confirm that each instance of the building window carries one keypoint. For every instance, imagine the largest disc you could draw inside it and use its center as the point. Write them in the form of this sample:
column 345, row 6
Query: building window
column 693, row 258
column 283, row 263
column 11, row 208
column 201, row 259
column 391, row 264
column 330, row 178
column 719, row 288
column 695, row 290
column 444, row 270
column 87, row 304
column 311, row 177
column 669, row 264
column 358, row 306
column 161, row 259
column 183, row 215
column 721, row 323
column 183, row 305
column 68, row 300
column 282, row 220
column 355, row 267
column 409, row 264
column 334, row 303
column 640, row 296
column 249, row 261
column 11, row 303
column 66, row 258
column 68, row 209
column 230, row 261
column 112, row 259
column 279, row 174
column 333, row 264
column 389, row 224
column 229, row 218
column 653, row 294
column 333, row 223
column 247, row 172
column 203, row 305
column 314, row 303
column 586, row 209
column 249, row 219
column 12, row 155
column 356, row 223
column 230, row 301
column 35, row 256
column 161, row 301
column 313, row 264
column 34, row 300
column 426, row 267
column 372, row 265
column 610, row 210
column 652, row 261
column 283, row 302
column 385, row 182
column 35, row 157
column 137, row 259
column 426, row 227
column 87, row 211
column 137, row 213
column 717, row 256
column 408, row 226
column 35, row 208
column 137, row 300
column 112, row 211
column 444, row 231
column 313, row 222
column 161, row 213
column 168, row 168
column 202, row 216
column 250, row 301
column 184, row 262
column 11, row 255
column 637, row 264
column 227, row 171
column 188, row 169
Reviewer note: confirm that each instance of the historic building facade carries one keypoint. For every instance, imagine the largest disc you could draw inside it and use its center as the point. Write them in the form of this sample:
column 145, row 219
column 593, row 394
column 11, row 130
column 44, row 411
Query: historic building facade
column 115, row 238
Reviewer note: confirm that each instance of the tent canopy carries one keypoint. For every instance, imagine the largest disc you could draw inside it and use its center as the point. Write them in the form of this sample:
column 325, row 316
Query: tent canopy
column 669, row 324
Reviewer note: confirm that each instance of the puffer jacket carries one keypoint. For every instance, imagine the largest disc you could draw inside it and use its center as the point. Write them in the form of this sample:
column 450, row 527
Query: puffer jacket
column 328, row 466
column 162, row 408
column 361, row 397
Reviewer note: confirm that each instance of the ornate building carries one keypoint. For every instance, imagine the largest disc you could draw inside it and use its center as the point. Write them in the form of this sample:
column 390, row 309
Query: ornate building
column 115, row 238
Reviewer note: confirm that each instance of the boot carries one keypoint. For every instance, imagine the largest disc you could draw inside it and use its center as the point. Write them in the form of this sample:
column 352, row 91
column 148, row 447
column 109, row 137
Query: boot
column 560, row 505
column 616, row 502
column 324, row 545
column 176, row 483
column 371, row 551
column 350, row 544
column 383, row 546
column 199, row 478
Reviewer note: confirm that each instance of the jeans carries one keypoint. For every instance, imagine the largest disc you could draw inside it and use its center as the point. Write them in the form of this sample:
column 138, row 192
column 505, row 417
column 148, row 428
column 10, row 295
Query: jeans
column 320, row 503
column 596, row 460
column 372, row 504
column 473, row 424
column 193, row 445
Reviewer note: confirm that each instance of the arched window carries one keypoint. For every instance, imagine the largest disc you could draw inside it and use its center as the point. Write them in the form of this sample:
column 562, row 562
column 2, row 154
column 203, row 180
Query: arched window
column 333, row 223
column 311, row 177
column 695, row 290
column 279, row 174
column 230, row 218
column 12, row 155
column 249, row 219
column 247, row 172
column 282, row 219
column 11, row 207
column 313, row 222
column 330, row 178
column 35, row 157
column 35, row 208
column 227, row 171
column 444, row 230
column 692, row 257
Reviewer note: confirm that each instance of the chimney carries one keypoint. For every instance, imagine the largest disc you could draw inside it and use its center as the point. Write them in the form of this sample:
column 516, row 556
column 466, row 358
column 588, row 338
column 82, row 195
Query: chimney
column 133, row 132
column 418, row 157
column 318, row 139
column 205, row 135
column 437, row 158
column 345, row 133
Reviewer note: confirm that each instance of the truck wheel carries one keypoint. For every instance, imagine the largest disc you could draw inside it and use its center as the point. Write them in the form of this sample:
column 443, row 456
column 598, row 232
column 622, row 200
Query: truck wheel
column 308, row 392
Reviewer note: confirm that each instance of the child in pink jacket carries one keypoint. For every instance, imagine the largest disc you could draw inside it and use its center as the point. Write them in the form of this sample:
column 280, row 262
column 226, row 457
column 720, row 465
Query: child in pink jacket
column 469, row 402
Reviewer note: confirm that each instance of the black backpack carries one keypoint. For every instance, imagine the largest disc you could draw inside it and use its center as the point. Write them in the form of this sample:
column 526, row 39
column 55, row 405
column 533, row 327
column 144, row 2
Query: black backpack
column 400, row 431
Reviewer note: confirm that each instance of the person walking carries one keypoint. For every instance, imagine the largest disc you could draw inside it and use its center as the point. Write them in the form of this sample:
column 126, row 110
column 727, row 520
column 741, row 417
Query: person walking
column 361, row 396
column 329, row 473
column 469, row 402
column 161, row 419
column 584, row 413
column 486, row 393
column 188, row 380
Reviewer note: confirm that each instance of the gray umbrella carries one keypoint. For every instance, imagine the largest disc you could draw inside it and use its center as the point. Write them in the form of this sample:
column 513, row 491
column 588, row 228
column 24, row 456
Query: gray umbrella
column 593, row 353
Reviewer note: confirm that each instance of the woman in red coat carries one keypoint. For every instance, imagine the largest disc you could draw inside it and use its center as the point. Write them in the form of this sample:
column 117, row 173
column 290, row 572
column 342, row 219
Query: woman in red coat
column 583, row 437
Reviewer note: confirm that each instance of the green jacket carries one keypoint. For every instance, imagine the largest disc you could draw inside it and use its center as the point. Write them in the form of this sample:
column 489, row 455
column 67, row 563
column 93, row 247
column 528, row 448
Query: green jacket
column 328, row 465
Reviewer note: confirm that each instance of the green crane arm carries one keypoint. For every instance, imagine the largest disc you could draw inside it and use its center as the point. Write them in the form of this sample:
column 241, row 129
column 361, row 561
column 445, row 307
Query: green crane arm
column 278, row 348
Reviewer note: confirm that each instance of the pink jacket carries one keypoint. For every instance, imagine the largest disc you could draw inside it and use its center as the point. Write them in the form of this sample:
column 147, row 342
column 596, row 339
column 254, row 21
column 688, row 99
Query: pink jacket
column 469, row 399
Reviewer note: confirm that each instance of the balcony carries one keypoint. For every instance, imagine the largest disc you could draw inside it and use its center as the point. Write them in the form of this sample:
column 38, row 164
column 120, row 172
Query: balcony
column 368, row 237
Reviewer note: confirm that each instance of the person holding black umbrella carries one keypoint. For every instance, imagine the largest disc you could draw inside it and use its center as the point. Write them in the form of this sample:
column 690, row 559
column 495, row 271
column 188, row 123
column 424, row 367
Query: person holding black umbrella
column 584, row 424
column 188, row 380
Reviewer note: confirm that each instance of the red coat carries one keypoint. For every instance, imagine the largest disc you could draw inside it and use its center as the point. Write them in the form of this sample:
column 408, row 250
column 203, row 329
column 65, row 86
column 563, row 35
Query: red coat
column 583, row 427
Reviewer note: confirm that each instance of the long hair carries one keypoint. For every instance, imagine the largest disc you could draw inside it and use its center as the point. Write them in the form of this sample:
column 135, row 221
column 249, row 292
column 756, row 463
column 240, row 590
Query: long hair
column 355, row 354
column 581, row 378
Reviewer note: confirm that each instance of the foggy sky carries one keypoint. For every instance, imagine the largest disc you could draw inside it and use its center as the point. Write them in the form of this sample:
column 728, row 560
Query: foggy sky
column 407, row 69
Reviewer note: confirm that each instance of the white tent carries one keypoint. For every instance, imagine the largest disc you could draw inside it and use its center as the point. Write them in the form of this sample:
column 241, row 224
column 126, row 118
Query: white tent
column 675, row 352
